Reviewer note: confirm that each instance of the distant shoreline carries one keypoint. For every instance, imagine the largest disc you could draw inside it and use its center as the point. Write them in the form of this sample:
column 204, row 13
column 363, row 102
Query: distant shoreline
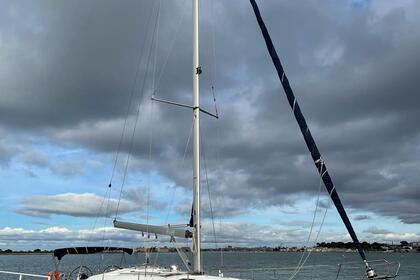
column 348, row 247
column 229, row 252
column 24, row 254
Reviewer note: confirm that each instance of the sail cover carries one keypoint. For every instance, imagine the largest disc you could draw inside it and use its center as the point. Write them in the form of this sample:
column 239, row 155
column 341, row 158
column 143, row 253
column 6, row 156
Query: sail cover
column 310, row 143
column 60, row 253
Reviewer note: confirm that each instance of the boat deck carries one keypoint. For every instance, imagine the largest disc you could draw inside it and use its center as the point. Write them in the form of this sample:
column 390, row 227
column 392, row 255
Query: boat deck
column 154, row 273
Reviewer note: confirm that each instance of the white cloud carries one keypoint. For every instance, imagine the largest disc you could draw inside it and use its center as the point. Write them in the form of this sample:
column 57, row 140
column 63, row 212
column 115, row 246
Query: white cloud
column 55, row 230
column 379, row 234
column 237, row 234
column 73, row 204
column 54, row 237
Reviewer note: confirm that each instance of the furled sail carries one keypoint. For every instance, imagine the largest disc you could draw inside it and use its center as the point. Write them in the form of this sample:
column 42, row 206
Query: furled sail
column 310, row 143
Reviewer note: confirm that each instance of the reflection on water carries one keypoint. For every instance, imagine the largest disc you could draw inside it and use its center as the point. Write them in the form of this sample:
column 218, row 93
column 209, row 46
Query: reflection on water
column 319, row 265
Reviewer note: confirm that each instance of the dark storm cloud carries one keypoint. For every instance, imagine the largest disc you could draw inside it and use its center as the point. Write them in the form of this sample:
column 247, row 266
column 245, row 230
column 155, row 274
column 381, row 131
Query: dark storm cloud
column 71, row 62
column 68, row 70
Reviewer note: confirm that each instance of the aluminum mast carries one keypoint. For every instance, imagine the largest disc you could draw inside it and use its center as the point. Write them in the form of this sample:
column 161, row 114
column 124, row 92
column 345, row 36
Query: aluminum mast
column 195, row 221
column 196, row 142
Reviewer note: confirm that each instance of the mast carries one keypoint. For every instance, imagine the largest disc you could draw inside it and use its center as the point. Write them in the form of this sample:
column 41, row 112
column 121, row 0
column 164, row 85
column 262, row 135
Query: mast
column 196, row 142
column 309, row 140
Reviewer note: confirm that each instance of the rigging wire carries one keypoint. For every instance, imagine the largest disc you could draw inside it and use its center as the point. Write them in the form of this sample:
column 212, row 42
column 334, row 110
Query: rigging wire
column 156, row 89
column 105, row 220
column 221, row 192
column 149, row 175
column 208, row 192
column 319, row 231
column 120, row 142
column 213, row 90
column 202, row 142
column 174, row 188
column 130, row 100
column 316, row 238
column 182, row 163
column 107, row 195
column 172, row 44
column 156, row 44
column 98, row 213
column 136, row 121
column 213, row 60
column 304, row 258
column 214, row 101
column 311, row 228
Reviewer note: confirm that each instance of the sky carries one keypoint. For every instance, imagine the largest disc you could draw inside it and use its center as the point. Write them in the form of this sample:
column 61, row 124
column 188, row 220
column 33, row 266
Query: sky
column 76, row 79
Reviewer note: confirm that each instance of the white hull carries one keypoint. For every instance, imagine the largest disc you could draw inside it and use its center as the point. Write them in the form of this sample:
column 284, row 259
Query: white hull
column 152, row 273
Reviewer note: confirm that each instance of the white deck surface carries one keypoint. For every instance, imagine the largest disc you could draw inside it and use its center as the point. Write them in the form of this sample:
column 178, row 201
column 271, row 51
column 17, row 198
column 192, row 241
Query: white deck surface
column 152, row 273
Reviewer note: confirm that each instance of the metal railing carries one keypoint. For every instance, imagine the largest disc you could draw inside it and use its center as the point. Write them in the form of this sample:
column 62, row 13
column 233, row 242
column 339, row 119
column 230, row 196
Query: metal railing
column 21, row 274
column 384, row 269
column 346, row 271
column 278, row 273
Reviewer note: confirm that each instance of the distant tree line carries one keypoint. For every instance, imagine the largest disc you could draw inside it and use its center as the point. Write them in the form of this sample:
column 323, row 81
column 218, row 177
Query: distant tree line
column 36, row 251
column 375, row 246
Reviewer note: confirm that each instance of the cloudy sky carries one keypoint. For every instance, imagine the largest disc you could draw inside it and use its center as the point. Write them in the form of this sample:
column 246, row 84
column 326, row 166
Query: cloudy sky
column 75, row 84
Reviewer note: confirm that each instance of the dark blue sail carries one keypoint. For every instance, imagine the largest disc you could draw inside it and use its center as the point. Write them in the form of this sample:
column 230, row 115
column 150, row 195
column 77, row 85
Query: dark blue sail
column 313, row 149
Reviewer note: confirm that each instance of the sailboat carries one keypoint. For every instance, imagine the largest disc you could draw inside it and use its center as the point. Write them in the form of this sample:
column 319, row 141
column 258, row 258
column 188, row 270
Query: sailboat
column 195, row 269
column 192, row 230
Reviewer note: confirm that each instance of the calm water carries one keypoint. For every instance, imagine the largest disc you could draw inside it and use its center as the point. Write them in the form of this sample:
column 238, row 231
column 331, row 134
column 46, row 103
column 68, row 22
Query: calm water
column 326, row 264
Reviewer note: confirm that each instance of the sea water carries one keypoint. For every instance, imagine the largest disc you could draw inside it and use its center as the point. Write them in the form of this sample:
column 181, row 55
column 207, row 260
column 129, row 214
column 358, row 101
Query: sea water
column 247, row 265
